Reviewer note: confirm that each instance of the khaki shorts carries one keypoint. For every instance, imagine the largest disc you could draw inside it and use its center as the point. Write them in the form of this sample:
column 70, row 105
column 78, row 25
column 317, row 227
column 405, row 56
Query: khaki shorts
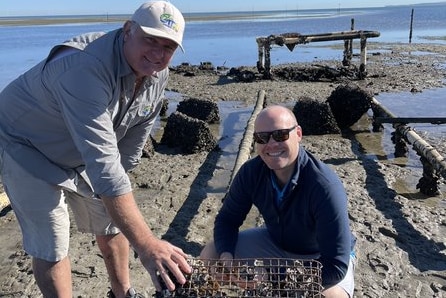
column 43, row 215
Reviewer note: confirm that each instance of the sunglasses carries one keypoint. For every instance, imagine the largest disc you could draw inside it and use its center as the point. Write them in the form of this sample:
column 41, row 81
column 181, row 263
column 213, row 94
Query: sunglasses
column 279, row 135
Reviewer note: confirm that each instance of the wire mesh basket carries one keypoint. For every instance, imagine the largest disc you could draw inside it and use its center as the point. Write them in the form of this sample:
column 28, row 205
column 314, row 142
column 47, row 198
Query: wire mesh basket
column 249, row 278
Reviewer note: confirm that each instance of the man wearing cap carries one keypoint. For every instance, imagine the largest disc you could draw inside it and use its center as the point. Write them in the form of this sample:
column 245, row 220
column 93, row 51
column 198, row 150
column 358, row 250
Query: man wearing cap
column 71, row 128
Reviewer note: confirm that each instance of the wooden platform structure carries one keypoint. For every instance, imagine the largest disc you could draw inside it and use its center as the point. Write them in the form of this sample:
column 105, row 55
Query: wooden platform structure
column 434, row 164
column 290, row 40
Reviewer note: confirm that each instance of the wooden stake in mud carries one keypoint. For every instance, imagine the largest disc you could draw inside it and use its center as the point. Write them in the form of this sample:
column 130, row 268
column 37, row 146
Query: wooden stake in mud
column 411, row 23
column 348, row 47
column 363, row 64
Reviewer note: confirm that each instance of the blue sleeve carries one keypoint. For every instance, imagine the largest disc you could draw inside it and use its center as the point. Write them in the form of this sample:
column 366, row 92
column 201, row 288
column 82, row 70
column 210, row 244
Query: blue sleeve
column 333, row 231
column 236, row 206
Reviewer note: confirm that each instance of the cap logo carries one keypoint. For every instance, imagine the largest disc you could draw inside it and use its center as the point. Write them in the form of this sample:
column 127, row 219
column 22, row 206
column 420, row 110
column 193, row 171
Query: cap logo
column 168, row 21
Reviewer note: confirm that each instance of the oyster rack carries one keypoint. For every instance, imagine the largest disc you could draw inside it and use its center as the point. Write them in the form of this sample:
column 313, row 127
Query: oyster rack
column 249, row 278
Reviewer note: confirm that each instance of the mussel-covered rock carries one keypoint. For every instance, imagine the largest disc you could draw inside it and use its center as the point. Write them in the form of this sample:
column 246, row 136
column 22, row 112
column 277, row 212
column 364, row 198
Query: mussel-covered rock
column 192, row 135
column 349, row 103
column 241, row 74
column 204, row 110
column 315, row 117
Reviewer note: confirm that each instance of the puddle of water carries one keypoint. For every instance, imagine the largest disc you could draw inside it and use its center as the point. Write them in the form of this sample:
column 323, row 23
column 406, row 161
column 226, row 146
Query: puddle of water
column 229, row 132
column 429, row 103
column 378, row 145
column 234, row 118
column 406, row 187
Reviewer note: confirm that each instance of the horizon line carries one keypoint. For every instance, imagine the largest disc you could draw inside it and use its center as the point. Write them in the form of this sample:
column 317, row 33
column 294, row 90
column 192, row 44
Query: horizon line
column 186, row 14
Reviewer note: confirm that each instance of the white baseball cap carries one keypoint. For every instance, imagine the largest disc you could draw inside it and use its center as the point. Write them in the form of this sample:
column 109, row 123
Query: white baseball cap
column 161, row 19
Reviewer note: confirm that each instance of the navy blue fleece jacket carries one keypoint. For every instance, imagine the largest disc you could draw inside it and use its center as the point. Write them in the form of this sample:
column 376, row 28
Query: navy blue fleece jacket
column 312, row 218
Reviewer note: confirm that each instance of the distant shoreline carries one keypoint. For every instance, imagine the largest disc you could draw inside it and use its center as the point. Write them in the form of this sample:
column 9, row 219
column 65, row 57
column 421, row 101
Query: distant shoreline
column 42, row 20
column 192, row 16
column 31, row 21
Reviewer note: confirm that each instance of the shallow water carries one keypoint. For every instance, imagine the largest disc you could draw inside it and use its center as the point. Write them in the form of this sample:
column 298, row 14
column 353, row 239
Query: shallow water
column 229, row 133
column 233, row 42
column 429, row 103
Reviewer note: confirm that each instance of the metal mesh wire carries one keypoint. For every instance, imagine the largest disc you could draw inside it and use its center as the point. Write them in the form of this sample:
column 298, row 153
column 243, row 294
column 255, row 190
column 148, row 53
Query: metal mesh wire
column 250, row 278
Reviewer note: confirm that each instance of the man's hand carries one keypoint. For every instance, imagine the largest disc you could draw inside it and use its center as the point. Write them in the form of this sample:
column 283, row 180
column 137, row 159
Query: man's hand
column 155, row 254
column 164, row 257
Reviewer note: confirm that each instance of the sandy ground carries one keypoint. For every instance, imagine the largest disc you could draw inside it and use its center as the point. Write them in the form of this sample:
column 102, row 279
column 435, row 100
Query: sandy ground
column 401, row 233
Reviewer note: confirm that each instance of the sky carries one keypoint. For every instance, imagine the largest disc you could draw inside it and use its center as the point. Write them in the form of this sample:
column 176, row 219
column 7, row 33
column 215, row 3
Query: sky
column 61, row 7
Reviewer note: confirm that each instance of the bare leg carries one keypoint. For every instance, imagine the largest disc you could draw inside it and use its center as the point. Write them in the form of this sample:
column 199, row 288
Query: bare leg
column 209, row 252
column 335, row 292
column 115, row 250
column 53, row 278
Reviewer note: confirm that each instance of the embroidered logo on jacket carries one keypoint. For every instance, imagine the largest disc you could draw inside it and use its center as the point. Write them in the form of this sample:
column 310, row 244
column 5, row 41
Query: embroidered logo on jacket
column 146, row 110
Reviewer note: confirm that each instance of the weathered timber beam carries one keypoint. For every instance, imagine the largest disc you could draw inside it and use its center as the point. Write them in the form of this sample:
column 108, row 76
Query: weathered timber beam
column 306, row 38
column 245, row 149
column 406, row 120
column 344, row 35
column 423, row 148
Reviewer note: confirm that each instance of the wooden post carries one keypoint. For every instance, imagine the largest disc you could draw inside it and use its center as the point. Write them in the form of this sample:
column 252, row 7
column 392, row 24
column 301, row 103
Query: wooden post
column 261, row 57
column 264, row 58
column 348, row 47
column 346, row 59
column 267, row 49
column 411, row 23
column 363, row 63
column 401, row 148
column 429, row 181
